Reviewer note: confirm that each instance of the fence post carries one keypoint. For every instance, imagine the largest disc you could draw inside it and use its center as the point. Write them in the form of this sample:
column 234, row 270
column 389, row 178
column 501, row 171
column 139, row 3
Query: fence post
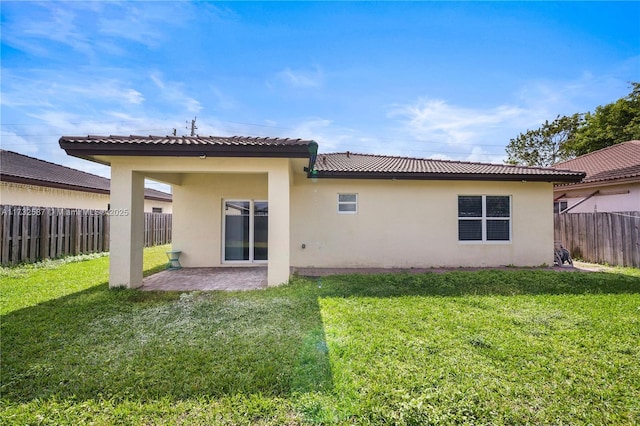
column 6, row 231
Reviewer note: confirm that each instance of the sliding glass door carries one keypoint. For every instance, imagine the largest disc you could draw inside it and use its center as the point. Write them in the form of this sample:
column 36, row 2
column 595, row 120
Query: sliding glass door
column 245, row 231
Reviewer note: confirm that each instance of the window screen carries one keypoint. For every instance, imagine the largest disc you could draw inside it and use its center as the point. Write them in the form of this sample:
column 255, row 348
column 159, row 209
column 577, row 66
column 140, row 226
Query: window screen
column 484, row 218
column 347, row 203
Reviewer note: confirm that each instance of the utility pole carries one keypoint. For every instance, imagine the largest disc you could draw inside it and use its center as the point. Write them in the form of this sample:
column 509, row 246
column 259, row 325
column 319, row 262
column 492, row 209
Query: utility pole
column 193, row 126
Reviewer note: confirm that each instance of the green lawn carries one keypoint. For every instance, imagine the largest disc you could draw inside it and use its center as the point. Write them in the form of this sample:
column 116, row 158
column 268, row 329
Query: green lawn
column 491, row 347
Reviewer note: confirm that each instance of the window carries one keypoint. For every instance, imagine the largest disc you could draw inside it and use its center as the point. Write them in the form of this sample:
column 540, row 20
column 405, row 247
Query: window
column 347, row 203
column 484, row 218
column 559, row 206
column 156, row 209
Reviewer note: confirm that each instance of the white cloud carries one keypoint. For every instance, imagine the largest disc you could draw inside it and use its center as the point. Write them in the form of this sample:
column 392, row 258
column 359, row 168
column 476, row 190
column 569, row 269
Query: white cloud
column 434, row 120
column 550, row 98
column 14, row 142
column 106, row 90
column 329, row 136
column 174, row 93
column 42, row 89
column 224, row 101
column 300, row 78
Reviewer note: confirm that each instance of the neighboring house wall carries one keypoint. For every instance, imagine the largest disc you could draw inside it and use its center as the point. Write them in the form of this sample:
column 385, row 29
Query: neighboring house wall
column 19, row 194
column 164, row 205
column 612, row 198
column 413, row 223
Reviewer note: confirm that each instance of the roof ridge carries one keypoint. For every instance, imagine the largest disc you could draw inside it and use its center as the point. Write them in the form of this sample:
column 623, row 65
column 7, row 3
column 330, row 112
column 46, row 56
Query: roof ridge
column 185, row 137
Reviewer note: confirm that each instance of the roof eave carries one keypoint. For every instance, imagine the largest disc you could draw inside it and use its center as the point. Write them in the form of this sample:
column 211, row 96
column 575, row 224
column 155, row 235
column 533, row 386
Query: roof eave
column 598, row 183
column 450, row 176
column 155, row 198
column 50, row 184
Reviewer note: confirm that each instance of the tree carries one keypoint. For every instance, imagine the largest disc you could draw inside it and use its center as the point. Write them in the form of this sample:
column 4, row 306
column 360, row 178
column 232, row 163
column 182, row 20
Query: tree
column 544, row 146
column 608, row 125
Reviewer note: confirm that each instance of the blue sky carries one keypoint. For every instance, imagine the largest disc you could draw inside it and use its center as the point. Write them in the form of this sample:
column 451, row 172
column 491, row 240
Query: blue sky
column 442, row 80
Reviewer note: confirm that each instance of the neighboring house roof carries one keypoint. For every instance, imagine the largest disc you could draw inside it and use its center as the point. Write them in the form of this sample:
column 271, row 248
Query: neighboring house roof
column 340, row 165
column 620, row 161
column 19, row 168
column 350, row 165
column 186, row 146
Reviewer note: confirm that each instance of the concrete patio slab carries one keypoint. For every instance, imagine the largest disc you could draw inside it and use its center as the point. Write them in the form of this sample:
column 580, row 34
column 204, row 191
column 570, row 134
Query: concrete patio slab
column 207, row 279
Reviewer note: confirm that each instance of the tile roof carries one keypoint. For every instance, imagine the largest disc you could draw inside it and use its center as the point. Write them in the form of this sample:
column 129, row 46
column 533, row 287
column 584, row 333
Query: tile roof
column 15, row 167
column 382, row 166
column 620, row 161
column 244, row 146
column 338, row 165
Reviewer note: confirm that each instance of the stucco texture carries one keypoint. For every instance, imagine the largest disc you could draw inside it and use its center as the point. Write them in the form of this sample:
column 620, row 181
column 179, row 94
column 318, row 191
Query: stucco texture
column 407, row 224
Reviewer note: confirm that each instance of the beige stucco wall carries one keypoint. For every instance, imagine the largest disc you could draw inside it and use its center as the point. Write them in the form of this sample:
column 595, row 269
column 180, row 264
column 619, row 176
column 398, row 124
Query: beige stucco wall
column 612, row 198
column 413, row 224
column 399, row 223
column 197, row 218
column 18, row 194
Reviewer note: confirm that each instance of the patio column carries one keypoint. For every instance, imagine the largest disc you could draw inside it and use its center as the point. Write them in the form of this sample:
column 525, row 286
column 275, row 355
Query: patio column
column 278, row 267
column 126, row 228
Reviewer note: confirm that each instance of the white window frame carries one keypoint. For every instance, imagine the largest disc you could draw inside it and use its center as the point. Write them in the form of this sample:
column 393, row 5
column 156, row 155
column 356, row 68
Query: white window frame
column 251, row 232
column 559, row 204
column 484, row 218
column 344, row 203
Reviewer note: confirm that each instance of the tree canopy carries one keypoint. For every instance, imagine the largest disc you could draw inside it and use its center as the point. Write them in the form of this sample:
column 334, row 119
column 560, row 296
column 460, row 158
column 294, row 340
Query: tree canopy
column 570, row 136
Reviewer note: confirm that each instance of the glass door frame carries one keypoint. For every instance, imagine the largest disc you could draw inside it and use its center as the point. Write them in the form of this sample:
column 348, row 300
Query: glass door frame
column 251, row 231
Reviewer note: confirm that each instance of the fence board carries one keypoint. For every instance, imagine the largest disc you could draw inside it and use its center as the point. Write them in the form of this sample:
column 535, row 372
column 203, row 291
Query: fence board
column 15, row 241
column 29, row 234
column 4, row 234
column 612, row 238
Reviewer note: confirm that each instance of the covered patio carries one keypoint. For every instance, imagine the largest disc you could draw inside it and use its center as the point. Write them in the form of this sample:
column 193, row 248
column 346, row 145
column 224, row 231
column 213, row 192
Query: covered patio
column 231, row 197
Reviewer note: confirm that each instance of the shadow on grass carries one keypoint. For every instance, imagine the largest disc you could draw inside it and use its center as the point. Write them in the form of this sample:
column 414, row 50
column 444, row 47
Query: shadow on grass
column 486, row 282
column 127, row 344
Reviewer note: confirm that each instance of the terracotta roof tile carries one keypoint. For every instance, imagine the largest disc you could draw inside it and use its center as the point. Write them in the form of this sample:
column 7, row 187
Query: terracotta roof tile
column 184, row 140
column 620, row 161
column 357, row 165
column 327, row 165
column 15, row 167
column 185, row 146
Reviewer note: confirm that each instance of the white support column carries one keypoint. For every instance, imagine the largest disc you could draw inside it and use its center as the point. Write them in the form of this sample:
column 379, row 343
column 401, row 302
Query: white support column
column 279, row 228
column 126, row 228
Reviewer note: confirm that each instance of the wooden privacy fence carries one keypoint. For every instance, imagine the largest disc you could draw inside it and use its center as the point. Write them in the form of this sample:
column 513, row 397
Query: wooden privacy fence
column 29, row 234
column 612, row 238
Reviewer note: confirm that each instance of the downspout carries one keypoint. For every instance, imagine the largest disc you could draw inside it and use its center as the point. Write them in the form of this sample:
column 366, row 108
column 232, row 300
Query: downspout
column 313, row 155
column 580, row 202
